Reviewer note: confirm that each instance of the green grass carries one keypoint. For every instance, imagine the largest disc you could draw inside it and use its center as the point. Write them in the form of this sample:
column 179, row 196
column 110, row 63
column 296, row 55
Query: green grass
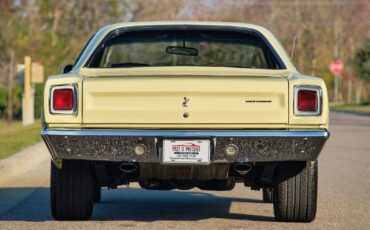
column 16, row 137
column 361, row 107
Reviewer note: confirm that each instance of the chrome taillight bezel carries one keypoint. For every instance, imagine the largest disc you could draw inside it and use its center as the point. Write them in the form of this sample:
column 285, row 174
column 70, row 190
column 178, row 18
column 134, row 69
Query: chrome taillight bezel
column 72, row 111
column 318, row 91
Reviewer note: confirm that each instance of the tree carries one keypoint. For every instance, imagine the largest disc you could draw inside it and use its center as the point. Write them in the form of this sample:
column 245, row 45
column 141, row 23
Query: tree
column 362, row 61
column 54, row 31
column 7, row 45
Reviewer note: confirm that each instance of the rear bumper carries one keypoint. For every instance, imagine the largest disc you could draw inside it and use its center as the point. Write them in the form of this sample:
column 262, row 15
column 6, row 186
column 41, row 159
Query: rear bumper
column 119, row 145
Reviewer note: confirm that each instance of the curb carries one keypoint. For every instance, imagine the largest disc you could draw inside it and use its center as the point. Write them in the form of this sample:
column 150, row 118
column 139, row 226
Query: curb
column 23, row 161
column 364, row 114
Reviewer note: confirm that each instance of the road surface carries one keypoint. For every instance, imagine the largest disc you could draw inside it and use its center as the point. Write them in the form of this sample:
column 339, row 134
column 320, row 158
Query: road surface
column 344, row 196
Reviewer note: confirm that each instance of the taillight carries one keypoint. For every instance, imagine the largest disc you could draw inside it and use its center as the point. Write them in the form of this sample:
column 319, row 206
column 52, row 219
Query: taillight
column 63, row 99
column 307, row 100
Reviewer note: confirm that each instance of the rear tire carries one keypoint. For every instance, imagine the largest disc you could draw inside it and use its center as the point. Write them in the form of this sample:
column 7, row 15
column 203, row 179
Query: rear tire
column 295, row 191
column 72, row 190
column 267, row 195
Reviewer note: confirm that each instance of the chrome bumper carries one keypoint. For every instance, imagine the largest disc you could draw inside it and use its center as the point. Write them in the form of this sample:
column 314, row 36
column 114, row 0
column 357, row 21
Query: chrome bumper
column 118, row 145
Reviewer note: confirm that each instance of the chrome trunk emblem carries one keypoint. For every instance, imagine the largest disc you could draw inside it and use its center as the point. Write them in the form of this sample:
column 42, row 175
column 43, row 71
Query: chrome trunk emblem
column 185, row 102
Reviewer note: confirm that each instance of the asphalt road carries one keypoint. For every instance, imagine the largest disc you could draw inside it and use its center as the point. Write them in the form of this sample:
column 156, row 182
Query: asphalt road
column 344, row 196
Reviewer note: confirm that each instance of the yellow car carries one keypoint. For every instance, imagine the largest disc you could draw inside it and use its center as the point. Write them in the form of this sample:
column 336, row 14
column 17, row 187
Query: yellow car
column 177, row 105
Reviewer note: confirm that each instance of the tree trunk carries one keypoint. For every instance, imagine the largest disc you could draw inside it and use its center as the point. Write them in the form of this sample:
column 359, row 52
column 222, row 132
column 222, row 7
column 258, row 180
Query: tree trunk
column 10, row 88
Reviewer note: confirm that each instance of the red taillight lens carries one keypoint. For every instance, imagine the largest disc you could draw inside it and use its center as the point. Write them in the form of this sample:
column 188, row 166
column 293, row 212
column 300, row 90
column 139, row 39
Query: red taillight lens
column 63, row 99
column 307, row 101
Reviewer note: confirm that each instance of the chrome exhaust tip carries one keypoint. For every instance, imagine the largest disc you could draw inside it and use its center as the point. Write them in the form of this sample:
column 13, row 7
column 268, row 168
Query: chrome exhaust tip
column 242, row 168
column 128, row 167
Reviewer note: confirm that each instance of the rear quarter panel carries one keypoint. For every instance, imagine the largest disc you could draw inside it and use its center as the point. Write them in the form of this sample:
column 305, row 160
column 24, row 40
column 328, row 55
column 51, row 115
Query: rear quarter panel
column 302, row 80
column 65, row 79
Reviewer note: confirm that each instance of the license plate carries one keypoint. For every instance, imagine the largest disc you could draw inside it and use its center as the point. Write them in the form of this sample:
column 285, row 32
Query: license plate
column 186, row 151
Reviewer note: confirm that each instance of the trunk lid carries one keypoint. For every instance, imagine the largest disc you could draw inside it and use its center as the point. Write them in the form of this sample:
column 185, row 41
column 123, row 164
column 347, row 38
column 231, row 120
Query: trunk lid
column 166, row 99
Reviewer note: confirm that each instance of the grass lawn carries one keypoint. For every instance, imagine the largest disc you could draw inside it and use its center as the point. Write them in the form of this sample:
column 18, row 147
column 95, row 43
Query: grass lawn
column 354, row 108
column 16, row 137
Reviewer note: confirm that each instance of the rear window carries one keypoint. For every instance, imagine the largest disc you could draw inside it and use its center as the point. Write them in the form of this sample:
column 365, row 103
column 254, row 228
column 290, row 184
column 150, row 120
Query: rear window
column 185, row 48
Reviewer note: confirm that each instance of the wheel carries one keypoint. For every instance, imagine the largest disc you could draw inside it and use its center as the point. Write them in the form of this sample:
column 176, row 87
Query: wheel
column 97, row 194
column 295, row 191
column 267, row 195
column 72, row 190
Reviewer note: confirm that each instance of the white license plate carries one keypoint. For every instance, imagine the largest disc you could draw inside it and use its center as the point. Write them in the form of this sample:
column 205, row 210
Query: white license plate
column 186, row 151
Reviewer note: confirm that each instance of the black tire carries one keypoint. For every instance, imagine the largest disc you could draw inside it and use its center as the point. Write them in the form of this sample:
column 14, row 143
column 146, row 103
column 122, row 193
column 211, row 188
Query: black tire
column 72, row 190
column 97, row 194
column 267, row 195
column 295, row 191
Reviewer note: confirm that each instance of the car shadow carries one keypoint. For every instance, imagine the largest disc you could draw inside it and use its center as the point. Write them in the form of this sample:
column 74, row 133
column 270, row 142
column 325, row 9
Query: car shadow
column 131, row 204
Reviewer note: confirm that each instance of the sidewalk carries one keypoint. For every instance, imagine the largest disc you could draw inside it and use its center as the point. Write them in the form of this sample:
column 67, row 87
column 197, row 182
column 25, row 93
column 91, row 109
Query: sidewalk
column 23, row 161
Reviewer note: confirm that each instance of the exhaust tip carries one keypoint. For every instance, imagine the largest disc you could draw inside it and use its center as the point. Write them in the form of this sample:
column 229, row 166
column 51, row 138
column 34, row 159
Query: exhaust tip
column 242, row 168
column 128, row 167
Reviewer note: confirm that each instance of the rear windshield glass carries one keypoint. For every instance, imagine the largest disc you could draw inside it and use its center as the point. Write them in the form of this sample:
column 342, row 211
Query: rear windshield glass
column 184, row 48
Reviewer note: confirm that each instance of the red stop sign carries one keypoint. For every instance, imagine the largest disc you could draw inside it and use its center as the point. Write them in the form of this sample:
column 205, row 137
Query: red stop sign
column 336, row 67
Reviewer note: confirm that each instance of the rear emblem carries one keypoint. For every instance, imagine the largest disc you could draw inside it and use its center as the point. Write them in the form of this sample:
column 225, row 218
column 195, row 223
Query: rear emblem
column 185, row 102
column 258, row 101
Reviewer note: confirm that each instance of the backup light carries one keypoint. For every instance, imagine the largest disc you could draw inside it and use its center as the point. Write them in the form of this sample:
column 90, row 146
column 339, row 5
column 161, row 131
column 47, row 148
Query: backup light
column 231, row 150
column 140, row 149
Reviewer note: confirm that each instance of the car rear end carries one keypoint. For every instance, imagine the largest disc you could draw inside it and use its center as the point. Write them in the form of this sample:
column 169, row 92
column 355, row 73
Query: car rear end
column 183, row 106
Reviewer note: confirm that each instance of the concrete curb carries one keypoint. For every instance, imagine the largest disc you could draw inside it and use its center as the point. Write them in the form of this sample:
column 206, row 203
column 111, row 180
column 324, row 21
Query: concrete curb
column 23, row 161
column 364, row 114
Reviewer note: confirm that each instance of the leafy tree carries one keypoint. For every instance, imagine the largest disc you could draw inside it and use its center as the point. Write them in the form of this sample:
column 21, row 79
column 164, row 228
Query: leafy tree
column 362, row 61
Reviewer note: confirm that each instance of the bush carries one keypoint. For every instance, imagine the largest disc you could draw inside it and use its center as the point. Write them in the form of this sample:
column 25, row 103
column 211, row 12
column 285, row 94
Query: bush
column 17, row 101
column 38, row 99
